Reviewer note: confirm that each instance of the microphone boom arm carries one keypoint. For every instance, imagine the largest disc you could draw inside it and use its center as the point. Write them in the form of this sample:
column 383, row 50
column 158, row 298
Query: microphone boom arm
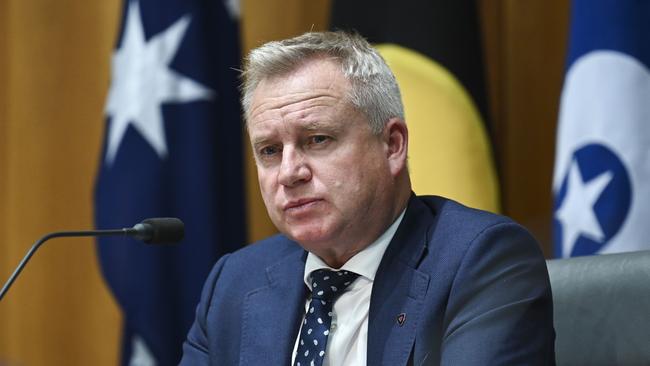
column 39, row 242
column 161, row 230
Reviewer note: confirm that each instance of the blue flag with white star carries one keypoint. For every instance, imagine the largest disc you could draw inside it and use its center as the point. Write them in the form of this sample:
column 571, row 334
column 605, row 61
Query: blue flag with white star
column 602, row 167
column 172, row 148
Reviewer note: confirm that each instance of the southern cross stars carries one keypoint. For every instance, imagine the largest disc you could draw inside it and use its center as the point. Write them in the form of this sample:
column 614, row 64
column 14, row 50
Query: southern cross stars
column 142, row 81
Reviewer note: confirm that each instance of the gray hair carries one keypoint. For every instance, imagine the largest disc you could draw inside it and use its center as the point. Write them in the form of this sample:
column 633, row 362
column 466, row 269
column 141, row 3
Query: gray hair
column 374, row 89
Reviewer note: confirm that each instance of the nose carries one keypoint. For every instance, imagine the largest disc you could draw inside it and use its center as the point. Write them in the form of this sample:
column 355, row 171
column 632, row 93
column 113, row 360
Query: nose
column 294, row 169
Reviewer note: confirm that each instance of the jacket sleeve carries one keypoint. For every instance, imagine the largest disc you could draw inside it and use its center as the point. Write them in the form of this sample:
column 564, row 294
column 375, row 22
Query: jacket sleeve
column 500, row 309
column 195, row 347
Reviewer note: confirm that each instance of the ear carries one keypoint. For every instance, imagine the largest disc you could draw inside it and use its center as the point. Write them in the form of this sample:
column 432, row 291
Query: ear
column 396, row 138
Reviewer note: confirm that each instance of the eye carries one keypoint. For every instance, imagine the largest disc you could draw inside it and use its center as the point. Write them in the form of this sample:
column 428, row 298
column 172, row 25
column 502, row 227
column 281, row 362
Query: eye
column 268, row 151
column 319, row 139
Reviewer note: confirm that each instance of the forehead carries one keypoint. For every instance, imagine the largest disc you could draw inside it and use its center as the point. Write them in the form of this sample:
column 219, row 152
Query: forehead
column 313, row 85
column 316, row 71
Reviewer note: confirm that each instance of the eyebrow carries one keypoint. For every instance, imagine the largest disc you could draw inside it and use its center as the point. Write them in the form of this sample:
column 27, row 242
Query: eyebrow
column 312, row 126
column 303, row 126
column 260, row 142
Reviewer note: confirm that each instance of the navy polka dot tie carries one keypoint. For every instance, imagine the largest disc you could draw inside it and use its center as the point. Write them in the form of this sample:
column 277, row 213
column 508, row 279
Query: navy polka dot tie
column 326, row 287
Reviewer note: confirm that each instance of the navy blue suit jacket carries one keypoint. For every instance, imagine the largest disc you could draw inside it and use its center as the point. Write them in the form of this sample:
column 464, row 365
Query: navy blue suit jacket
column 473, row 287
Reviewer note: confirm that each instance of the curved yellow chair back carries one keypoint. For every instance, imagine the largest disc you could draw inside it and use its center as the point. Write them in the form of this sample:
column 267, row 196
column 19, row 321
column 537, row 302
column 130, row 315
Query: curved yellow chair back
column 449, row 152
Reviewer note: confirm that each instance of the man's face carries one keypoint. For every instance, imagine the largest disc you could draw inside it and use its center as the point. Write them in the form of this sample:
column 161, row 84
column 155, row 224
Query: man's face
column 324, row 177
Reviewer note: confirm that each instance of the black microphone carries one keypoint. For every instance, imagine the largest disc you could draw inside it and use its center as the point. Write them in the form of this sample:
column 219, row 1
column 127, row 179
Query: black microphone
column 163, row 230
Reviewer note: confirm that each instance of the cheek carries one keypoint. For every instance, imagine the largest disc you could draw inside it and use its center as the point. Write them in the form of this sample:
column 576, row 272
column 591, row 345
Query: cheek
column 344, row 186
column 345, row 176
column 332, row 179
column 266, row 187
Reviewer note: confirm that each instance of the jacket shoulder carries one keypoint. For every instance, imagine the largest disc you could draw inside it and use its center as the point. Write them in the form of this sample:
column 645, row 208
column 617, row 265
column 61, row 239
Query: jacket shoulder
column 459, row 218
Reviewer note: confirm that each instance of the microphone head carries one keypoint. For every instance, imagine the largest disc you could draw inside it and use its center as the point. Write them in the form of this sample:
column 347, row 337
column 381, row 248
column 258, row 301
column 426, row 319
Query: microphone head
column 161, row 230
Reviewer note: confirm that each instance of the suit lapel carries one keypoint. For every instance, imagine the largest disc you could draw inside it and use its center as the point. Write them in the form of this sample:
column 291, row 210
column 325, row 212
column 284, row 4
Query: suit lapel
column 399, row 290
column 272, row 314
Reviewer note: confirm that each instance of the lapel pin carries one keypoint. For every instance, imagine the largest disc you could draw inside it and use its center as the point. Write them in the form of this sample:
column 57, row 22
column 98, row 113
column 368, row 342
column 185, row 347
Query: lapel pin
column 401, row 318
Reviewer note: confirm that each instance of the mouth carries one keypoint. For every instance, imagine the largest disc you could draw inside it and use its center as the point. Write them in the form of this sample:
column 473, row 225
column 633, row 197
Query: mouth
column 301, row 204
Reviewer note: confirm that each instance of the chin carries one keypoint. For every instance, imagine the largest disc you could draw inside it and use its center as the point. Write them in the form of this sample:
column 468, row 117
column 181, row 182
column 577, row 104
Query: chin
column 308, row 237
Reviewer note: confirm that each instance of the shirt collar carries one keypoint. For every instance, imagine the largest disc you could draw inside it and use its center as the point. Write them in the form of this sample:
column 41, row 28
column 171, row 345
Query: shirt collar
column 365, row 263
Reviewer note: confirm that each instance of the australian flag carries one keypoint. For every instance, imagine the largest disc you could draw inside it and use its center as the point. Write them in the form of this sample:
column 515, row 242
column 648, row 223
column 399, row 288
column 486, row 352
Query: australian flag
column 602, row 167
column 172, row 148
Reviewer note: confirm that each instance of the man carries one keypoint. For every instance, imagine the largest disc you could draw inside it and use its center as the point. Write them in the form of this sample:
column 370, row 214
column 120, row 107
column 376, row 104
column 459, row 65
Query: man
column 364, row 272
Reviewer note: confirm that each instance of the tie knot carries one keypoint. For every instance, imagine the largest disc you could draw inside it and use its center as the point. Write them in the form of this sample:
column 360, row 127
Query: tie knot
column 329, row 285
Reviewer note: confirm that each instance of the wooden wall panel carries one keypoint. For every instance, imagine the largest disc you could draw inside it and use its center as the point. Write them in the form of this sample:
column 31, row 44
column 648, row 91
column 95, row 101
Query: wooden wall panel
column 5, row 263
column 56, row 55
column 270, row 20
column 532, row 70
column 492, row 24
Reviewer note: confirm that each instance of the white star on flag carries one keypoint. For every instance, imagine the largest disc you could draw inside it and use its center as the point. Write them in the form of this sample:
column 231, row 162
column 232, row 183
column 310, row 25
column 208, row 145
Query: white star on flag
column 577, row 210
column 140, row 356
column 142, row 81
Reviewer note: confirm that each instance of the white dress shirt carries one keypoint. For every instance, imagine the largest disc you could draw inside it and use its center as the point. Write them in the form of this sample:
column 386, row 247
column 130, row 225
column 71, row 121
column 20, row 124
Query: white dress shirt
column 348, row 338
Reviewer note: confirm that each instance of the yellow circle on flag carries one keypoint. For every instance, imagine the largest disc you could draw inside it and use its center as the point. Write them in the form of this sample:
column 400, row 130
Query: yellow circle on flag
column 449, row 152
